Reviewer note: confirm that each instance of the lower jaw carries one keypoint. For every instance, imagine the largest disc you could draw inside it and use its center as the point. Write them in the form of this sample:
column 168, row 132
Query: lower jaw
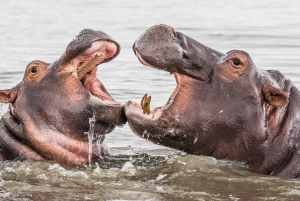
column 93, row 85
column 72, row 151
column 98, row 153
column 156, row 113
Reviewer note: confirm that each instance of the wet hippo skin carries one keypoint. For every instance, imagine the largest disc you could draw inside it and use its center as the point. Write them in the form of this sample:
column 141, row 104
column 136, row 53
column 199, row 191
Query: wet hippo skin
column 223, row 105
column 50, row 109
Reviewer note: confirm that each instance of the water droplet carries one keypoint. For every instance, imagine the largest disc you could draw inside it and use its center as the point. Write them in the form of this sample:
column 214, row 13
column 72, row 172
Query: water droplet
column 91, row 134
column 161, row 176
column 171, row 130
column 195, row 140
column 129, row 168
column 99, row 140
column 145, row 132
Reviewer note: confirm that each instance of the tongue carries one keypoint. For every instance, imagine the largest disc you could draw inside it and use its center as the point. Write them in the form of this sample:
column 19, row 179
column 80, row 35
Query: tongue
column 95, row 87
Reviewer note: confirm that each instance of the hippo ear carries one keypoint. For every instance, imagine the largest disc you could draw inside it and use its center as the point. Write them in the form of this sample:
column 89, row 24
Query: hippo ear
column 7, row 96
column 274, row 95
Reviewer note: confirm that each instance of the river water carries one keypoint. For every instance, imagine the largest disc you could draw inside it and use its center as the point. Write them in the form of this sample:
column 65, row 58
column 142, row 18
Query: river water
column 137, row 169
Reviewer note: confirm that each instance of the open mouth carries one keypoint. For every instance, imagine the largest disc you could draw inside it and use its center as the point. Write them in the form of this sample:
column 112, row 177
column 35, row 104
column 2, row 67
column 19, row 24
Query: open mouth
column 86, row 66
column 156, row 112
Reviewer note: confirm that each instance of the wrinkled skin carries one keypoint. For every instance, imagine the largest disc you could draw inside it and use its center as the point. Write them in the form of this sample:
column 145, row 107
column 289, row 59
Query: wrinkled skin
column 223, row 106
column 50, row 109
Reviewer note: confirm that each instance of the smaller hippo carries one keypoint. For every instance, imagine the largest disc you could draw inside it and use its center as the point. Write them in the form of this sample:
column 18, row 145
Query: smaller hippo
column 223, row 105
column 50, row 109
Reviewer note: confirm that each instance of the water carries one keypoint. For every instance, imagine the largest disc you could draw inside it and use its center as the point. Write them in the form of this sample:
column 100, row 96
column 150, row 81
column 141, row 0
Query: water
column 91, row 135
column 137, row 169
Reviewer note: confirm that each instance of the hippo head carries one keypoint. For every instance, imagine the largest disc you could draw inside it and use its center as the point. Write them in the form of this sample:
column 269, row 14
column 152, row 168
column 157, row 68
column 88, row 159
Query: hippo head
column 223, row 106
column 50, row 109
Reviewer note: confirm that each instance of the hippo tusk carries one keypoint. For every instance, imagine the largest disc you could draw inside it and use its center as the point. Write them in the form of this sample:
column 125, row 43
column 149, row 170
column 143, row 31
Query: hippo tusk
column 145, row 104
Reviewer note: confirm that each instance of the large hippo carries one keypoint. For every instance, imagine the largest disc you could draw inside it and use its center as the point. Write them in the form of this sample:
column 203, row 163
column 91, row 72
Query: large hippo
column 223, row 105
column 50, row 109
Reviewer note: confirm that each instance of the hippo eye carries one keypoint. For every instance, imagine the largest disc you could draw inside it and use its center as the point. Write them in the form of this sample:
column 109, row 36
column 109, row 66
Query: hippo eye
column 34, row 70
column 236, row 62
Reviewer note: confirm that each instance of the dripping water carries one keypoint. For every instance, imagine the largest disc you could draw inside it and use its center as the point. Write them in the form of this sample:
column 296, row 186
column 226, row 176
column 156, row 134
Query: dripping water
column 94, row 136
column 91, row 134
column 99, row 139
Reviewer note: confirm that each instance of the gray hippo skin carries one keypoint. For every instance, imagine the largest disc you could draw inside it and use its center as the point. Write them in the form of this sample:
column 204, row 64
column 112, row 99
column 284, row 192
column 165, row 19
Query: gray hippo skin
column 50, row 109
column 223, row 105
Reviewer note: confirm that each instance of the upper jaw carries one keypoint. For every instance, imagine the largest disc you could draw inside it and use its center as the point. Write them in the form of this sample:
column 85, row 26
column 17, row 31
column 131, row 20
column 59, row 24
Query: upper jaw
column 98, row 52
column 175, row 52
column 85, row 65
column 85, row 40
column 141, row 45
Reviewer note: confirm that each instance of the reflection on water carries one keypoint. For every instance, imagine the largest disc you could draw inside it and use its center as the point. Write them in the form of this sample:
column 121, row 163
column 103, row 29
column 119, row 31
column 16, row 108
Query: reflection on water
column 268, row 30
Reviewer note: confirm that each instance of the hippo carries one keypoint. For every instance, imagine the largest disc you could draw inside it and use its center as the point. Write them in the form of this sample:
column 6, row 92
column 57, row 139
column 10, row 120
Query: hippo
column 50, row 109
column 223, row 106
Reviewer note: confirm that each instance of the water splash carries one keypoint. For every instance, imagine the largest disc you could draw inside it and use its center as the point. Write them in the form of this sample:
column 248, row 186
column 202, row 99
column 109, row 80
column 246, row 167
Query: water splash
column 99, row 139
column 129, row 169
column 91, row 135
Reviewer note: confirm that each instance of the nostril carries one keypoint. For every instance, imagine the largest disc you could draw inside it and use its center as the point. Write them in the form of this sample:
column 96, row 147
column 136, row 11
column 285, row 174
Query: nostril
column 168, row 27
column 184, row 55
